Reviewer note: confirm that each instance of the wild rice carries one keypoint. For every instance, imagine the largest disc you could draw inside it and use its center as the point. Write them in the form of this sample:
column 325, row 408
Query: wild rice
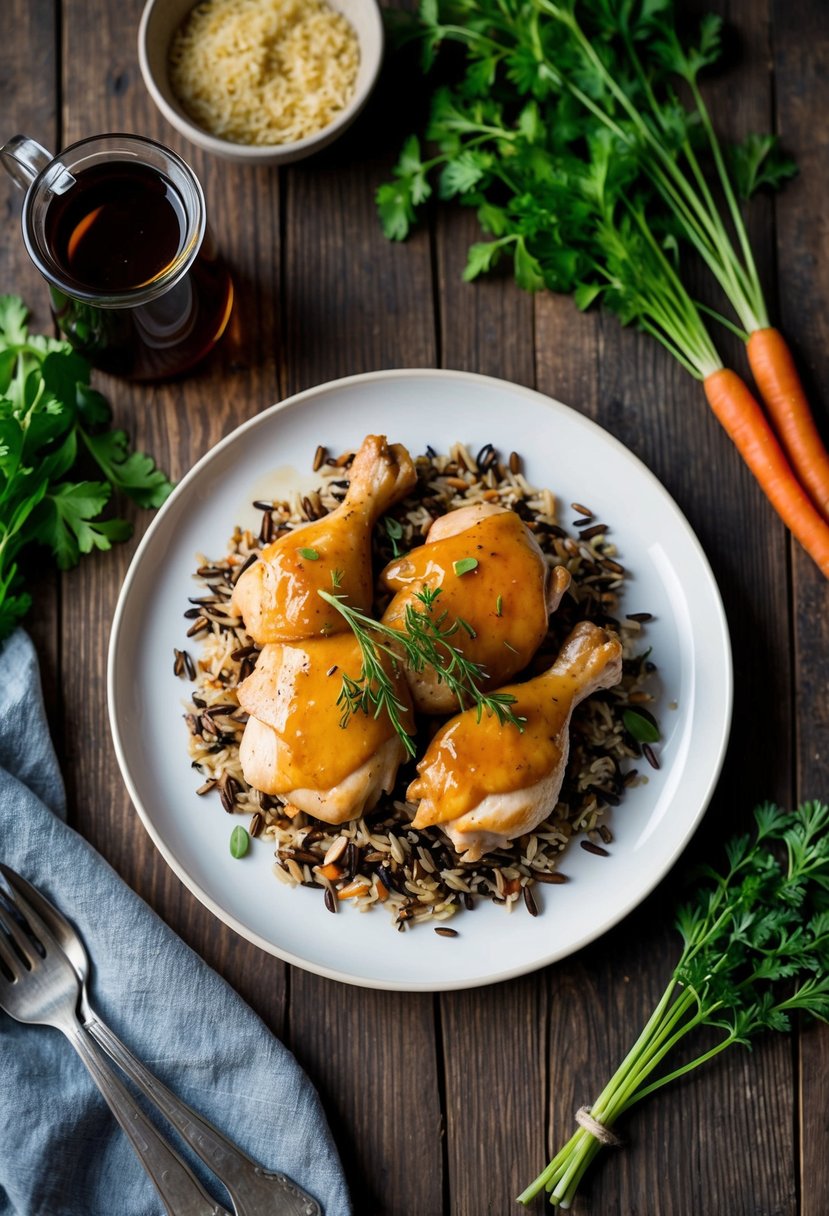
column 380, row 859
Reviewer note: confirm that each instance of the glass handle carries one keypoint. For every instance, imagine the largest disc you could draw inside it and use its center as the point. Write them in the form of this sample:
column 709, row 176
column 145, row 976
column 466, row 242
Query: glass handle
column 23, row 159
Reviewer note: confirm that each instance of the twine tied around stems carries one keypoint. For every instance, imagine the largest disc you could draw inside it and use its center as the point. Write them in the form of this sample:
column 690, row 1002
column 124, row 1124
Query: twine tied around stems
column 603, row 1134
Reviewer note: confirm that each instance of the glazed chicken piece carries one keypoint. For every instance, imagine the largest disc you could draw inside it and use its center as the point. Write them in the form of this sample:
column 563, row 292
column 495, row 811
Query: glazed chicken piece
column 294, row 745
column 485, row 783
column 505, row 599
column 277, row 596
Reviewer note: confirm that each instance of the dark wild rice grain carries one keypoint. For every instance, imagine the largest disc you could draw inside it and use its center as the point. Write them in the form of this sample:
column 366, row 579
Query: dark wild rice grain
column 650, row 756
column 590, row 847
column 529, row 900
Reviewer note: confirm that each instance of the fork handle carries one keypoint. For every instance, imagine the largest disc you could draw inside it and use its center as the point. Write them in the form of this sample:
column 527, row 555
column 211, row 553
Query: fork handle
column 253, row 1189
column 181, row 1192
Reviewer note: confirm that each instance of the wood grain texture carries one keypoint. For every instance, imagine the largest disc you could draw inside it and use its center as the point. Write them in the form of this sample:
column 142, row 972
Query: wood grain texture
column 634, row 390
column 492, row 1038
column 801, row 62
column 352, row 302
column 177, row 422
column 28, row 102
column 447, row 1106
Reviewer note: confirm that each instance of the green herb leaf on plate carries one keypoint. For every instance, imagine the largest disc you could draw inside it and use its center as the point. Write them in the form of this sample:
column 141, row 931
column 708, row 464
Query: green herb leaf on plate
column 239, row 841
column 641, row 725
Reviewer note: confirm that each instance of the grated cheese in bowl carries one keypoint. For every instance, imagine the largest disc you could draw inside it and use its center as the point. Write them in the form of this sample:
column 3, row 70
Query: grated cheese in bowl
column 264, row 72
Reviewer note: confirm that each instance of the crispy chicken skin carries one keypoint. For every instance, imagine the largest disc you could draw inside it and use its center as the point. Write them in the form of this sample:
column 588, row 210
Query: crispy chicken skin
column 277, row 596
column 294, row 745
column 485, row 783
column 506, row 599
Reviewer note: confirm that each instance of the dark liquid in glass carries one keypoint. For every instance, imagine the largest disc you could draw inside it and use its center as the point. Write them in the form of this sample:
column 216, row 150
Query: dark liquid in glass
column 118, row 229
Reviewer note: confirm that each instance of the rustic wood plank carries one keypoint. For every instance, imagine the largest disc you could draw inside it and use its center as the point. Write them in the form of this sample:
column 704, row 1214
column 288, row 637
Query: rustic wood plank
column 486, row 326
column 354, row 303
column 28, row 93
column 177, row 422
column 490, row 1037
column 801, row 61
column 699, row 1140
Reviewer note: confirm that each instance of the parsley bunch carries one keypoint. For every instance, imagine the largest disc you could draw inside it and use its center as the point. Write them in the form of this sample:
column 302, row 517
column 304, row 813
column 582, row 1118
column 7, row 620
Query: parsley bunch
column 756, row 950
column 50, row 419
column 563, row 128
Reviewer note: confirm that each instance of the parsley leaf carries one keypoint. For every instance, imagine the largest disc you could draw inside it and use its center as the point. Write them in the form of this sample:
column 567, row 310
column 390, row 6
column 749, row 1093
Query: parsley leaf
column 50, row 419
column 757, row 162
column 755, row 949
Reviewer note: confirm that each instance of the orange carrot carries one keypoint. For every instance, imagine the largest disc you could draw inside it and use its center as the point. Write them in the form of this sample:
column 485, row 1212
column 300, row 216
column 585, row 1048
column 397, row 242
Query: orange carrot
column 773, row 369
column 738, row 411
column 357, row 887
column 332, row 872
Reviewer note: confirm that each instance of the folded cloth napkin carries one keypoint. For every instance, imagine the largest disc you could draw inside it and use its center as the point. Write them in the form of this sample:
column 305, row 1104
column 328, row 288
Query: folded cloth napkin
column 61, row 1151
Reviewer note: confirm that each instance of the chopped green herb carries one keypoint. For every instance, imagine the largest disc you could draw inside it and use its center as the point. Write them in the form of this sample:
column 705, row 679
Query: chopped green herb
column 310, row 555
column 394, row 531
column 641, row 725
column 336, row 578
column 239, row 841
column 499, row 606
column 464, row 565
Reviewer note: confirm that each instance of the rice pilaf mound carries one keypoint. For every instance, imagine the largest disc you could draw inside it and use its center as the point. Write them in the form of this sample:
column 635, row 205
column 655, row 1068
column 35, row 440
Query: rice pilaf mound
column 380, row 858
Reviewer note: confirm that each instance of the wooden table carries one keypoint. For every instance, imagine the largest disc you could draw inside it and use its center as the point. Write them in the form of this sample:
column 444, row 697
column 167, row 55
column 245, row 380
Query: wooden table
column 452, row 1103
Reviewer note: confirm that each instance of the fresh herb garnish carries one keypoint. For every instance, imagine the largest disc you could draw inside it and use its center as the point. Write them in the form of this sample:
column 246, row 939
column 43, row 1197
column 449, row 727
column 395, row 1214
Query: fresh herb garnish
column 336, row 578
column 464, row 565
column 564, row 128
column 239, row 841
column 310, row 555
column 424, row 642
column 756, row 950
column 394, row 531
column 641, row 725
column 499, row 606
column 50, row 420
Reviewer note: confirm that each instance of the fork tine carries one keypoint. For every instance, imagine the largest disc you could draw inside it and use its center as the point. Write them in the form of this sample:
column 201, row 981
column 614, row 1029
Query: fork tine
column 19, row 938
column 20, row 896
column 8, row 958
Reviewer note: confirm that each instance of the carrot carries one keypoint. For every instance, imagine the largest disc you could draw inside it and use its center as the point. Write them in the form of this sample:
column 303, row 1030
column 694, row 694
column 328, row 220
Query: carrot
column 741, row 416
column 332, row 872
column 357, row 887
column 774, row 370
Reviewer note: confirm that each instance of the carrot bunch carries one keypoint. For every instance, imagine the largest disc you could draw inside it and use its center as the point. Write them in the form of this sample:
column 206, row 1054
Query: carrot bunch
column 782, row 448
column 566, row 133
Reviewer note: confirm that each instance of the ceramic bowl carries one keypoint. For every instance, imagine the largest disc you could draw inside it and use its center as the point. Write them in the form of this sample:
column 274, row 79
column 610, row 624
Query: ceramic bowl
column 161, row 19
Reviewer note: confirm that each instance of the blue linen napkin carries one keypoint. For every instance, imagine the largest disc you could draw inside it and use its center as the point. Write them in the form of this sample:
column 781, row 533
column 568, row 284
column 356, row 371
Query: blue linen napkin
column 61, row 1151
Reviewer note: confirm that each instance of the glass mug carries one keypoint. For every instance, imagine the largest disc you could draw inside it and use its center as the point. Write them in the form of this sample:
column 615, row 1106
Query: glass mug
column 117, row 226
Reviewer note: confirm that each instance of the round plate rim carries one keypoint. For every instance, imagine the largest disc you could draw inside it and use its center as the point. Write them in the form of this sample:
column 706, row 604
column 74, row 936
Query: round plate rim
column 251, row 935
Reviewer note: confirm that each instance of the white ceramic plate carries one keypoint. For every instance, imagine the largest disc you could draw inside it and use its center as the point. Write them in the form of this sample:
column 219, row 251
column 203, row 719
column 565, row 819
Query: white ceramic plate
column 579, row 462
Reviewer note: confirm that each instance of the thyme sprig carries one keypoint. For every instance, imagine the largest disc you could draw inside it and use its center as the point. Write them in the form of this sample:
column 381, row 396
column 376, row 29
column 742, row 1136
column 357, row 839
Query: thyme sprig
column 424, row 642
column 755, row 950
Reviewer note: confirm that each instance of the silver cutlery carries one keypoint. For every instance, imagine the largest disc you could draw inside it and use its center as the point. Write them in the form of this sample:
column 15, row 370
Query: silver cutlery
column 42, row 989
column 254, row 1191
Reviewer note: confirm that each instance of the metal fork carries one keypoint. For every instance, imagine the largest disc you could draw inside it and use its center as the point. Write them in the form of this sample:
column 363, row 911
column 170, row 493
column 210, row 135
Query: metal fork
column 42, row 989
column 254, row 1191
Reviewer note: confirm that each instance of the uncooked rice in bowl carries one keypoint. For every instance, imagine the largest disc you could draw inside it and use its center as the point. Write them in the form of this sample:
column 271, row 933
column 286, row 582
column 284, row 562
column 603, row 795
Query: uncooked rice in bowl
column 380, row 858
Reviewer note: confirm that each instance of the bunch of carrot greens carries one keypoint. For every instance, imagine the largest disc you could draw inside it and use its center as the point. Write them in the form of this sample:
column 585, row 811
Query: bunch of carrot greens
column 579, row 133
column 756, row 951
